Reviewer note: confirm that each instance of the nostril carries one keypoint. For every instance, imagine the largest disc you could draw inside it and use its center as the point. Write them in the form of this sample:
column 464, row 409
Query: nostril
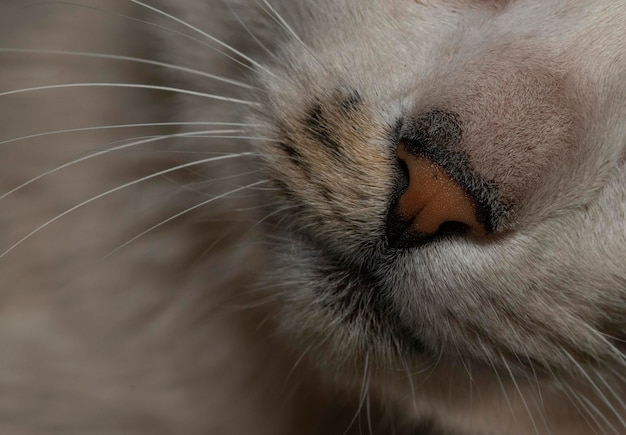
column 431, row 204
column 403, row 181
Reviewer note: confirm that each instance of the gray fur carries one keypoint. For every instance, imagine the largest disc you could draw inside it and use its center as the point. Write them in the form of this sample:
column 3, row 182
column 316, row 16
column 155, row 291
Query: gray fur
column 280, row 308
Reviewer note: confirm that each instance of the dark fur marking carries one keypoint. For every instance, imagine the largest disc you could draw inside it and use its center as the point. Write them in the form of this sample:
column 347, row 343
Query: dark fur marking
column 317, row 124
column 352, row 102
column 295, row 156
column 288, row 194
column 326, row 193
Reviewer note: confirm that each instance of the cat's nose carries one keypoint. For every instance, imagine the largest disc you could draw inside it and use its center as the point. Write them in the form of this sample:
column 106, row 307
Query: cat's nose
column 431, row 204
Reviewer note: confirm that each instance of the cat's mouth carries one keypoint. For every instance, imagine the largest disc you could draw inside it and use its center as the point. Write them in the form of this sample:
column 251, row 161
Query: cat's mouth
column 355, row 298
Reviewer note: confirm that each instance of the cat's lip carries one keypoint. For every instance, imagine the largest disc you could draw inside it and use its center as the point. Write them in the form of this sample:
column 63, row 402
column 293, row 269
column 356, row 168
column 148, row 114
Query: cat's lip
column 363, row 289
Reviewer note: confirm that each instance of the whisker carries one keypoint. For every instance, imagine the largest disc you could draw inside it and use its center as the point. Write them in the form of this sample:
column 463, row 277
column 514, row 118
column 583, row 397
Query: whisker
column 615, row 352
column 131, row 59
column 249, row 31
column 500, row 383
column 411, row 383
column 519, row 392
column 111, row 191
column 203, row 33
column 187, row 210
column 122, row 126
column 191, row 187
column 273, row 13
column 596, row 388
column 261, row 302
column 595, row 409
column 612, row 391
column 132, row 86
column 158, row 26
column 363, row 395
column 368, row 413
column 585, row 411
column 150, row 139
column 539, row 402
column 280, row 20
column 297, row 363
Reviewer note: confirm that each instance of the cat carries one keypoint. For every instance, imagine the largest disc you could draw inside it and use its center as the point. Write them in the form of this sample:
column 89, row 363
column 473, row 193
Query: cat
column 295, row 217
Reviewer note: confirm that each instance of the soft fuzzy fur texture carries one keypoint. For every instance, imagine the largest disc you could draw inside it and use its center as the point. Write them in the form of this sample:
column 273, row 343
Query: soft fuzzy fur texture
column 257, row 293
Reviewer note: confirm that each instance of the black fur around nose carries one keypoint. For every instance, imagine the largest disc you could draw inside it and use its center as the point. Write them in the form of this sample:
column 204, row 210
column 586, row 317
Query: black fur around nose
column 436, row 136
column 433, row 134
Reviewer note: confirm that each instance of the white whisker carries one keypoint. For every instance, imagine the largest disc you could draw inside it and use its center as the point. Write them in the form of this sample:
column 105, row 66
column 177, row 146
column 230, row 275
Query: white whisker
column 615, row 352
column 131, row 59
column 131, row 86
column 521, row 395
column 539, row 400
column 596, row 388
column 597, row 412
column 249, row 31
column 500, row 383
column 158, row 26
column 411, row 384
column 585, row 412
column 187, row 210
column 191, row 187
column 368, row 414
column 111, row 191
column 363, row 395
column 122, row 126
column 274, row 14
column 297, row 363
column 149, row 139
column 203, row 33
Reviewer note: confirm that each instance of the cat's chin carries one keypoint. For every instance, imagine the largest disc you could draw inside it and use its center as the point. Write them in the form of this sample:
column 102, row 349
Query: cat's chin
column 346, row 321
column 391, row 308
column 342, row 308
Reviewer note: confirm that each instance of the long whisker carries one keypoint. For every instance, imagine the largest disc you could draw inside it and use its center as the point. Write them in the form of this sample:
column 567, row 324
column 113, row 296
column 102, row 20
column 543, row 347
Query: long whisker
column 499, row 379
column 150, row 139
column 187, row 210
column 121, row 126
column 597, row 412
column 249, row 31
column 132, row 86
column 298, row 361
column 583, row 409
column 111, row 191
column 363, row 396
column 615, row 352
column 191, row 187
column 409, row 377
column 596, row 389
column 203, row 33
column 274, row 14
column 368, row 413
column 158, row 26
column 539, row 402
column 130, row 59
column 519, row 392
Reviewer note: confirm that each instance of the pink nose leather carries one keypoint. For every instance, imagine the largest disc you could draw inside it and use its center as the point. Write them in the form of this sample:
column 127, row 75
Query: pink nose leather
column 434, row 198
